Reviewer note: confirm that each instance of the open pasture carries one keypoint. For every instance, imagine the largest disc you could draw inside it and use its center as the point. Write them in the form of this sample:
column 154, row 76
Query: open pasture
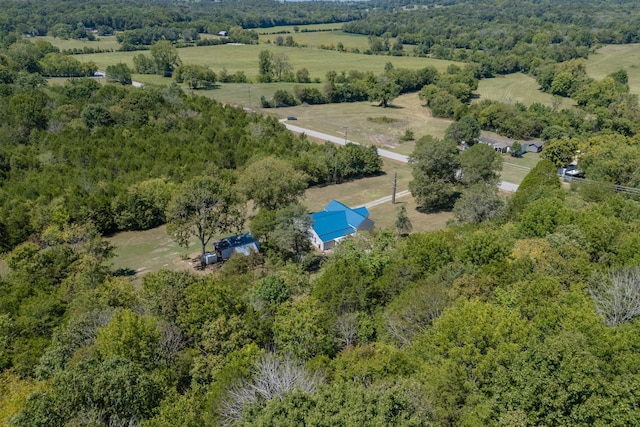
column 516, row 88
column 102, row 42
column 301, row 28
column 317, row 39
column 614, row 57
column 245, row 58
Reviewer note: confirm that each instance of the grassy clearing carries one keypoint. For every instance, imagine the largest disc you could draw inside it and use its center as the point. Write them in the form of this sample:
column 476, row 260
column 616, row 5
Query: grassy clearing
column 513, row 174
column 152, row 250
column 612, row 58
column 149, row 251
column 385, row 216
column 514, row 88
column 245, row 58
column 366, row 122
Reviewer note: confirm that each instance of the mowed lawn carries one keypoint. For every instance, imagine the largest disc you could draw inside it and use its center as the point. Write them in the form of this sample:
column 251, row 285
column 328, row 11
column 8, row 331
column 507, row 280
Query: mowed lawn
column 360, row 191
column 149, row 251
column 615, row 57
column 514, row 169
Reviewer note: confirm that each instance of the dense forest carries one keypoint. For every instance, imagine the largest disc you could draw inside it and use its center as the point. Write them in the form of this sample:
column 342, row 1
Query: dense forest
column 521, row 312
column 43, row 17
column 514, row 36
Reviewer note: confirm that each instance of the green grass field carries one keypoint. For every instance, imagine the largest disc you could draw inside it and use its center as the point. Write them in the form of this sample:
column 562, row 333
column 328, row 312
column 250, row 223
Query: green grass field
column 290, row 28
column 323, row 38
column 361, row 191
column 245, row 58
column 385, row 216
column 514, row 88
column 612, row 58
column 149, row 251
column 103, row 42
column 514, row 169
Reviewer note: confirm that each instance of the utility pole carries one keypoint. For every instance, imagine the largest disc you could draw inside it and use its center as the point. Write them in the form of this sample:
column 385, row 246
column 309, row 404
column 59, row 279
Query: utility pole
column 249, row 96
column 393, row 194
column 346, row 141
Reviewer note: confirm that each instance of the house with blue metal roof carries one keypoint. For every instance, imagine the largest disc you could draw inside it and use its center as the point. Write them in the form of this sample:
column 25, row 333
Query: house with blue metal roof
column 336, row 222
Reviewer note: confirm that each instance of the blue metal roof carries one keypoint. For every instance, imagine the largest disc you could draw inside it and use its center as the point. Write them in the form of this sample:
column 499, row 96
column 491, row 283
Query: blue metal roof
column 337, row 220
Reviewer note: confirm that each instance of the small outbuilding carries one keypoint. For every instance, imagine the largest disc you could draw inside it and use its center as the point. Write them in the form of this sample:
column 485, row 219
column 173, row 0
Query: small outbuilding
column 336, row 222
column 534, row 146
column 223, row 249
column 502, row 145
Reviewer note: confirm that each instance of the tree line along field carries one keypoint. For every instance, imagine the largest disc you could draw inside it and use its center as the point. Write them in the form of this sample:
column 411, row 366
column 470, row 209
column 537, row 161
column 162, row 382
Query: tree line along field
column 319, row 39
column 291, row 29
column 510, row 88
column 245, row 58
column 519, row 87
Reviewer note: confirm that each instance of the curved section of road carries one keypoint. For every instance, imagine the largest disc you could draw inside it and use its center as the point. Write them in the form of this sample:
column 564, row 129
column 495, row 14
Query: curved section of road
column 505, row 186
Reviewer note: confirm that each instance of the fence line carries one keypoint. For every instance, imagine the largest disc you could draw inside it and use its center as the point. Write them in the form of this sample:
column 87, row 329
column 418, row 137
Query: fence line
column 618, row 188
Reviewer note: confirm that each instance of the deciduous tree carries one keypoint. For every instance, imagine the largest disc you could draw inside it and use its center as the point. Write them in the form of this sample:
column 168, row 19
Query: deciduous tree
column 560, row 152
column 465, row 130
column 272, row 183
column 616, row 294
column 204, row 207
column 165, row 55
column 480, row 164
column 478, row 203
column 434, row 163
column 120, row 73
column 265, row 66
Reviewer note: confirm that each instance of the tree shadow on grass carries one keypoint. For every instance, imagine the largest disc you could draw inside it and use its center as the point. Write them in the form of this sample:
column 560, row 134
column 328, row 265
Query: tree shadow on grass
column 446, row 206
column 124, row 272
column 391, row 107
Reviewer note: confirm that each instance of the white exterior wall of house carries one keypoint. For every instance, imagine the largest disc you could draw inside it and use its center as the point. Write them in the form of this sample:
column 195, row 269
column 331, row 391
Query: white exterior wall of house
column 315, row 239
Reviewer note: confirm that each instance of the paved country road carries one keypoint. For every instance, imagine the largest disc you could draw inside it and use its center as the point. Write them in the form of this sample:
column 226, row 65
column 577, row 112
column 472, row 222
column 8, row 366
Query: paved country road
column 505, row 186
